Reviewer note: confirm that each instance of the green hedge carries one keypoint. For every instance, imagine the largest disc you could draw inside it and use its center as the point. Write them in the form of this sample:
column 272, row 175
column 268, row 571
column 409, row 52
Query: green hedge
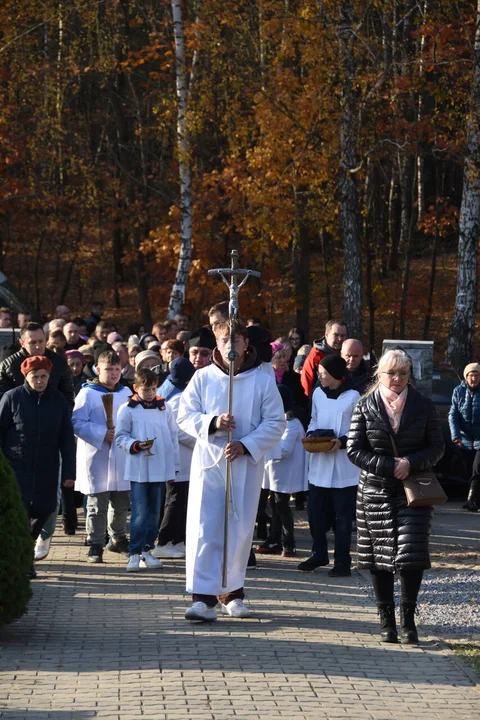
column 16, row 545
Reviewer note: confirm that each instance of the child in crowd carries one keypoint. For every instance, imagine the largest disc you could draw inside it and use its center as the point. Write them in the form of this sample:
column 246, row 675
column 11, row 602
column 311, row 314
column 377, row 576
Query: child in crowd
column 75, row 362
column 285, row 473
column 143, row 419
column 100, row 464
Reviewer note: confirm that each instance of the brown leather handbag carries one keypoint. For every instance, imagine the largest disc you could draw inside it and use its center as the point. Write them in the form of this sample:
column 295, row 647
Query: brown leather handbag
column 421, row 488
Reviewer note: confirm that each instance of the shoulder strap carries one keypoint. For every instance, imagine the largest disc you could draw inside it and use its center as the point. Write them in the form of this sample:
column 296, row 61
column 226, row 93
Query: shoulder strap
column 394, row 445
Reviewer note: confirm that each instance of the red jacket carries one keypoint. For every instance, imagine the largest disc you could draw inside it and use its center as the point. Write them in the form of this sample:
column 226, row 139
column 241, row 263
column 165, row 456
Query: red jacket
column 308, row 378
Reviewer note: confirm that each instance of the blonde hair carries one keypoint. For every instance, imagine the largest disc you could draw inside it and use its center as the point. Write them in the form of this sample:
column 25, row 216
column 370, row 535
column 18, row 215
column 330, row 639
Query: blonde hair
column 391, row 360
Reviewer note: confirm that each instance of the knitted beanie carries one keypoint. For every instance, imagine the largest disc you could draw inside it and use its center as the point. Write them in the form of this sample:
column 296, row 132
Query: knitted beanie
column 471, row 367
column 145, row 355
column 335, row 366
column 181, row 371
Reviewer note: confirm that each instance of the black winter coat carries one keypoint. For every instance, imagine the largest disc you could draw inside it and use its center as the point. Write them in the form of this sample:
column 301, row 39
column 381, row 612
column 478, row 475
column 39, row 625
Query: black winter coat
column 390, row 535
column 34, row 429
column 60, row 377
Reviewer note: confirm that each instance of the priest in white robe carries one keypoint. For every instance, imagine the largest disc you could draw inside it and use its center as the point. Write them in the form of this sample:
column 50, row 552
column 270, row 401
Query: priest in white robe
column 257, row 423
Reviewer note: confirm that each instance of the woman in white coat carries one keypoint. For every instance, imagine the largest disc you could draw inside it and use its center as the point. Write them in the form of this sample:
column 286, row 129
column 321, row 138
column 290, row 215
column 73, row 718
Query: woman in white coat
column 285, row 473
column 332, row 478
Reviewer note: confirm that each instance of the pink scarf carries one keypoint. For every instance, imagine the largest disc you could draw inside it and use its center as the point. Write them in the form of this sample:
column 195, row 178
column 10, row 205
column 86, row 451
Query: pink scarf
column 394, row 405
column 279, row 375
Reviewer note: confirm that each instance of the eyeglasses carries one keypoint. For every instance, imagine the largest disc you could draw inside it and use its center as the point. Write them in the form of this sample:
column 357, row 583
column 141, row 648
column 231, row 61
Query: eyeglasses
column 202, row 353
column 394, row 373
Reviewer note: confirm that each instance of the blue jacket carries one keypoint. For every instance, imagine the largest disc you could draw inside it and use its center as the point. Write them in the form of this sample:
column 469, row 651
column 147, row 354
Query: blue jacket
column 464, row 416
column 34, row 429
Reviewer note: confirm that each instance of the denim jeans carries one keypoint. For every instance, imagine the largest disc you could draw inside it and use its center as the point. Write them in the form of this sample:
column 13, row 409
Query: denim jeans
column 146, row 499
column 50, row 523
column 343, row 500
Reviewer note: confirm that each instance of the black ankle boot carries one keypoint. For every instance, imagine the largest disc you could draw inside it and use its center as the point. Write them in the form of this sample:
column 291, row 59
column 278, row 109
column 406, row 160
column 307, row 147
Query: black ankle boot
column 408, row 633
column 388, row 631
column 471, row 504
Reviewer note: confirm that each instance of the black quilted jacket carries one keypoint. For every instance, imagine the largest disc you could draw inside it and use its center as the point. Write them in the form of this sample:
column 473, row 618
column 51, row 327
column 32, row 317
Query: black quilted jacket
column 390, row 535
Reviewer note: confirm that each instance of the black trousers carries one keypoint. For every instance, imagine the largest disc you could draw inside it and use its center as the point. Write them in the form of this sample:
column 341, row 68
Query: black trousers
column 174, row 521
column 320, row 501
column 69, row 510
column 472, row 459
column 37, row 521
column 410, row 581
column 281, row 527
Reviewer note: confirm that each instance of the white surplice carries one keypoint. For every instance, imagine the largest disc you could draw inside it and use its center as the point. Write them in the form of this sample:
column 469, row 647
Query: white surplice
column 286, row 462
column 100, row 466
column 260, row 422
column 186, row 443
column 332, row 470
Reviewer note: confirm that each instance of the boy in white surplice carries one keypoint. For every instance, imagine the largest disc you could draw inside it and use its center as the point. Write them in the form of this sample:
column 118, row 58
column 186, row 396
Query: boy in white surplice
column 257, row 424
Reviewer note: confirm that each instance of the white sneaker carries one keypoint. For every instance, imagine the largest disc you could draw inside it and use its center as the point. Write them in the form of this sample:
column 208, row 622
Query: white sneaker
column 200, row 611
column 133, row 564
column 236, row 608
column 42, row 548
column 180, row 548
column 167, row 551
column 150, row 562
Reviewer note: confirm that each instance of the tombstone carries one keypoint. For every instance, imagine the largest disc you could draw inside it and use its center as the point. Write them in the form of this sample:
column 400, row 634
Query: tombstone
column 421, row 352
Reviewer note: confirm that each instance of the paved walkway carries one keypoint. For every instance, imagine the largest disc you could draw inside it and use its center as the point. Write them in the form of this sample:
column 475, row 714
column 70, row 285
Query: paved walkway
column 98, row 643
column 453, row 526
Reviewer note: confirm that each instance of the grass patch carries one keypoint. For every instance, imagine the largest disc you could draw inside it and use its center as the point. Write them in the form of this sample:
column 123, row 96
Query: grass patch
column 470, row 652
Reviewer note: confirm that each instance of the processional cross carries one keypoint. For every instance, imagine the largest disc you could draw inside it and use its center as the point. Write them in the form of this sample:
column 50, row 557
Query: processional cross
column 234, row 272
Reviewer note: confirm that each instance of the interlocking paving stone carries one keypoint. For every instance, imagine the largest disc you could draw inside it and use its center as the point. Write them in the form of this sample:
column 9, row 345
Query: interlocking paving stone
column 100, row 644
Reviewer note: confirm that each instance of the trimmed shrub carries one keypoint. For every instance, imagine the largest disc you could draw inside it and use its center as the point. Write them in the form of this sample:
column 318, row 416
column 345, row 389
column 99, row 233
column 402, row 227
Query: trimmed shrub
column 17, row 547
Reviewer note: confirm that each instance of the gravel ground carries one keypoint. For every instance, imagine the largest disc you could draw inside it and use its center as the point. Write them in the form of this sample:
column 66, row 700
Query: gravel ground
column 449, row 602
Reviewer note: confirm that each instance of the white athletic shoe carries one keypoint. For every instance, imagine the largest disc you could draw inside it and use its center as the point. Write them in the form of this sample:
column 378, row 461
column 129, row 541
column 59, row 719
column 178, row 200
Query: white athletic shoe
column 236, row 608
column 133, row 564
column 200, row 611
column 42, row 548
column 167, row 551
column 150, row 562
column 180, row 548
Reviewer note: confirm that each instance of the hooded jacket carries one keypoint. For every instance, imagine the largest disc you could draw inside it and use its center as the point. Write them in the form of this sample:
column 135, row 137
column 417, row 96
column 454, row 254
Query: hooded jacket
column 319, row 350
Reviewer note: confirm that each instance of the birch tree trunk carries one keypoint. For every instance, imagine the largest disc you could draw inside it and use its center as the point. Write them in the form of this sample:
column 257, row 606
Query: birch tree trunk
column 349, row 217
column 301, row 264
column 460, row 344
column 177, row 297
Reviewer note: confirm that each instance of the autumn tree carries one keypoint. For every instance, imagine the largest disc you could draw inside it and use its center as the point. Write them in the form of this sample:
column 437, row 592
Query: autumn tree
column 460, row 344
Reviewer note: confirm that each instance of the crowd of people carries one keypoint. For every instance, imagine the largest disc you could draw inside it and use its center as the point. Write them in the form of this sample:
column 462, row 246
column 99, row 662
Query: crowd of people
column 136, row 425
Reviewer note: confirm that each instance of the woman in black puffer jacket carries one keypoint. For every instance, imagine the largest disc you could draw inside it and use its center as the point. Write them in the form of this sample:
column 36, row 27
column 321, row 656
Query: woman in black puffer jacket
column 392, row 537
